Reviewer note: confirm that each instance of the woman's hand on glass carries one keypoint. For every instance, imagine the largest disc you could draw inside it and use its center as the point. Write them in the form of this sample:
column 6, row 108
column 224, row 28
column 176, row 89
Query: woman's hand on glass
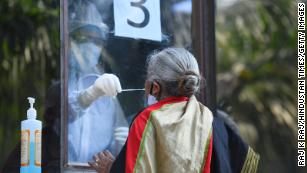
column 102, row 162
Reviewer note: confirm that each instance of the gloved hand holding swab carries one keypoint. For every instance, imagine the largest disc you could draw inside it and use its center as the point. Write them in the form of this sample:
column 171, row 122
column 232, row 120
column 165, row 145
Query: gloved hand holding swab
column 105, row 85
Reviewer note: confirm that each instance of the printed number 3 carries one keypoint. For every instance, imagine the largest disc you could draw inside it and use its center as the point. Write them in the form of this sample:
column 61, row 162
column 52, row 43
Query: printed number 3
column 145, row 11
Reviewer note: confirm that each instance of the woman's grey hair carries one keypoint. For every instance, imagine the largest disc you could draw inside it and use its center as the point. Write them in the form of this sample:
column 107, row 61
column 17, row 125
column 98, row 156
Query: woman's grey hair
column 176, row 70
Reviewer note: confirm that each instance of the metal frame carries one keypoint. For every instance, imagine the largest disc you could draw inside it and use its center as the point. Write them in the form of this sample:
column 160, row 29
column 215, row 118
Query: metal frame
column 203, row 35
column 203, row 38
column 64, row 48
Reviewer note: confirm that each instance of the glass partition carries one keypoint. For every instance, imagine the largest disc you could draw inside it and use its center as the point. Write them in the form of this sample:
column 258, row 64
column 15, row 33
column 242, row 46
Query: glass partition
column 92, row 49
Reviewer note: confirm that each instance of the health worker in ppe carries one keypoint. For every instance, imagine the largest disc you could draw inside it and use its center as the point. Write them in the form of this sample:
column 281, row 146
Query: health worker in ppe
column 96, row 121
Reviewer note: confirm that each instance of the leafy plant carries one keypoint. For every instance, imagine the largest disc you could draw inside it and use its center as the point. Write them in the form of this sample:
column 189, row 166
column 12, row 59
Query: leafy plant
column 257, row 79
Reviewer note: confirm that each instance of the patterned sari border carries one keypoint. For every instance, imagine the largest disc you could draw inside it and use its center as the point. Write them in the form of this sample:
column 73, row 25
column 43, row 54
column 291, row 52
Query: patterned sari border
column 251, row 162
column 207, row 145
column 148, row 125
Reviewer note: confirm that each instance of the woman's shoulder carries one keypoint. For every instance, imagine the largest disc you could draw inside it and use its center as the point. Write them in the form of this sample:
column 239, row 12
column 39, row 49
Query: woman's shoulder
column 230, row 151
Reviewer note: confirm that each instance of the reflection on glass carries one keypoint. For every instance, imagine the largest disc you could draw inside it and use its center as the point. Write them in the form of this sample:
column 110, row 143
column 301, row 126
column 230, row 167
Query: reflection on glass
column 90, row 127
column 93, row 51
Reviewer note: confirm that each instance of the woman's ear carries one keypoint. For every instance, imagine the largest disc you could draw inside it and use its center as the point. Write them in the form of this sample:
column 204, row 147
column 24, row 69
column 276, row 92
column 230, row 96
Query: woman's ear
column 156, row 89
column 147, row 87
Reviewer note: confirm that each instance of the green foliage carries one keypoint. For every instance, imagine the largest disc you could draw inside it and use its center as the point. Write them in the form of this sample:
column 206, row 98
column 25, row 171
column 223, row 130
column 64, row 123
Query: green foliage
column 29, row 61
column 257, row 79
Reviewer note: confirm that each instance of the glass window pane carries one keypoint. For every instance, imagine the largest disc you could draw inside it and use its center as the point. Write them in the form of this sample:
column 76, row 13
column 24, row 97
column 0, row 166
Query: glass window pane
column 95, row 50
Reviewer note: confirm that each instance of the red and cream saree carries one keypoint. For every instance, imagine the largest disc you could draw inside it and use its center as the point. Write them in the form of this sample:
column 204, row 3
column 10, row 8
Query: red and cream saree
column 174, row 135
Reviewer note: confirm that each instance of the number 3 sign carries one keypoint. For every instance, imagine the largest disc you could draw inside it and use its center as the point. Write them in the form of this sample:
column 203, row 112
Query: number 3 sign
column 138, row 19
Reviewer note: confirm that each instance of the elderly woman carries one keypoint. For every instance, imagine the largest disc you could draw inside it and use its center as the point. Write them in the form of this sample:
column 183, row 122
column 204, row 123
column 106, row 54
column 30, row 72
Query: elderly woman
column 176, row 133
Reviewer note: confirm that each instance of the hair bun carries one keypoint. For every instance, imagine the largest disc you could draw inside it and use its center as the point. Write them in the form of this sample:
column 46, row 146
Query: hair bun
column 189, row 83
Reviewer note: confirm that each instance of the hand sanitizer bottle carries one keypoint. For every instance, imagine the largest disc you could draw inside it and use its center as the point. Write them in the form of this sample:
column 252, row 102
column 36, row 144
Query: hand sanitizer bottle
column 31, row 132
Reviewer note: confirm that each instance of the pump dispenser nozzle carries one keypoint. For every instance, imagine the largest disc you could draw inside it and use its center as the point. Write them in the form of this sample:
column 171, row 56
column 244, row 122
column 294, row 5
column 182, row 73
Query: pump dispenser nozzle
column 31, row 101
column 31, row 113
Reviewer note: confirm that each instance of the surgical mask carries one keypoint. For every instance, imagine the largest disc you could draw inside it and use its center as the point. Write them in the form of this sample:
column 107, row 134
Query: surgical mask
column 90, row 53
column 151, row 100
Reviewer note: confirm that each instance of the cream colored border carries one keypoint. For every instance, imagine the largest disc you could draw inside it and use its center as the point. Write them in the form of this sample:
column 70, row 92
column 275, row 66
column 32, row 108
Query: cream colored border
column 251, row 162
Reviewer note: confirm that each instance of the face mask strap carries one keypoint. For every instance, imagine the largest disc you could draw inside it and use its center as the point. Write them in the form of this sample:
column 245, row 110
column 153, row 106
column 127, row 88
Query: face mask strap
column 151, row 87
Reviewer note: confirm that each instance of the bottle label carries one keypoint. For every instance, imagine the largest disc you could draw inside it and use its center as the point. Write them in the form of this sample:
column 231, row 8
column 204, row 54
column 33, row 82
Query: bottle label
column 25, row 147
column 38, row 147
